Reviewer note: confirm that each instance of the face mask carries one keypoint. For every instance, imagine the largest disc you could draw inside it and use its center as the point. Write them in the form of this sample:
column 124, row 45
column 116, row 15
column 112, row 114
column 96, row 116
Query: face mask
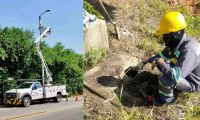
column 172, row 40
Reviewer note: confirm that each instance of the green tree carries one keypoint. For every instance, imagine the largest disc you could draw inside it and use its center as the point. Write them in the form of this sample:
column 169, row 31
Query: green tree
column 16, row 48
column 66, row 67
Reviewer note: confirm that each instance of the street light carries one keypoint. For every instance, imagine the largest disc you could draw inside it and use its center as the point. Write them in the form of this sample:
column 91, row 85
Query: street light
column 41, row 27
column 40, row 23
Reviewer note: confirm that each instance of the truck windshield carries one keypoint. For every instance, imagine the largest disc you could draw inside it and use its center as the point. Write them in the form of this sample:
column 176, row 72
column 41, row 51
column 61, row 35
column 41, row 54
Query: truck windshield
column 25, row 85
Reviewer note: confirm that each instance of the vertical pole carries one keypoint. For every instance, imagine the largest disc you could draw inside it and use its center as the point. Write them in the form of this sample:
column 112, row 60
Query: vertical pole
column 40, row 23
column 43, row 75
column 40, row 27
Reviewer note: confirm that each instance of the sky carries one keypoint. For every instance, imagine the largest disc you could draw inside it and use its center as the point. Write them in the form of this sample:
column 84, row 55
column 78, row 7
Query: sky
column 65, row 19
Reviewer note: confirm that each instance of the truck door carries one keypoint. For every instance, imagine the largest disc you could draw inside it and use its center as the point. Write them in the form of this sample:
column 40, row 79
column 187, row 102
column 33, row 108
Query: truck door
column 37, row 92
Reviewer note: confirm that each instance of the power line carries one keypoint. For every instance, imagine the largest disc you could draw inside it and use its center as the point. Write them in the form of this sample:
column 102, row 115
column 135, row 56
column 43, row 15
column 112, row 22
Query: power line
column 21, row 13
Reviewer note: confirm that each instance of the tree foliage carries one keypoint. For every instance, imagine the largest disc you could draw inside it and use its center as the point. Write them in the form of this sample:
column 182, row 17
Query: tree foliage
column 19, row 59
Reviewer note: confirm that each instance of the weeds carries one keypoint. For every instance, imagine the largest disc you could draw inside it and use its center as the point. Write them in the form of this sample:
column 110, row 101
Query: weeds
column 149, row 46
column 152, row 9
column 91, row 10
column 134, row 115
column 193, row 25
column 190, row 105
column 92, row 58
column 192, row 112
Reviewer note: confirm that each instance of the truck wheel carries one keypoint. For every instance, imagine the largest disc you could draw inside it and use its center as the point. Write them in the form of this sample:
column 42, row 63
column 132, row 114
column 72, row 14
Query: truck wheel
column 58, row 98
column 26, row 101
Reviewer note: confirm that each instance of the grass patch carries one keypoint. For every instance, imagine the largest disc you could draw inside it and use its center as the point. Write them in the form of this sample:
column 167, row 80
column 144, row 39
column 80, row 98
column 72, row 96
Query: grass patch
column 151, row 12
column 93, row 57
column 134, row 115
column 88, row 7
column 137, row 114
column 149, row 45
column 190, row 104
column 192, row 112
column 152, row 9
column 193, row 25
column 187, row 98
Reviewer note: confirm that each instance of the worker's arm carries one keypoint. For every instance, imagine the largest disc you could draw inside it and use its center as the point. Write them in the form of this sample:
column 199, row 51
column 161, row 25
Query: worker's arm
column 164, row 54
column 186, row 63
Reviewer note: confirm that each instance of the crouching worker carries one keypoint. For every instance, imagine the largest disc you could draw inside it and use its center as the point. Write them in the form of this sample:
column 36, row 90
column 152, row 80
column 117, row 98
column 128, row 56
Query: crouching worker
column 179, row 62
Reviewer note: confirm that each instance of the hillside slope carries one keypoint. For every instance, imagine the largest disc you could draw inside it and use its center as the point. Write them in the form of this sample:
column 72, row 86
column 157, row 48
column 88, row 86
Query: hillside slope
column 138, row 21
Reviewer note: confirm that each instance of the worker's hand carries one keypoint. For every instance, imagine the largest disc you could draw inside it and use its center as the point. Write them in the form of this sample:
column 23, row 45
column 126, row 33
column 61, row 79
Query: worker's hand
column 160, row 61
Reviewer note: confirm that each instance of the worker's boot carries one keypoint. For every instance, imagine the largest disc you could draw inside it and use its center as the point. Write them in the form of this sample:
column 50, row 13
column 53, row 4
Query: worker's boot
column 159, row 100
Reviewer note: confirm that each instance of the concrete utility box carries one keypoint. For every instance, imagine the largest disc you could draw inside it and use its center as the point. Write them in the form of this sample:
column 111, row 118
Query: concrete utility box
column 95, row 36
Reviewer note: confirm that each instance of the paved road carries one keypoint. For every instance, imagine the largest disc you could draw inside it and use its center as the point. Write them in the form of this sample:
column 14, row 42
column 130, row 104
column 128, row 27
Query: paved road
column 71, row 110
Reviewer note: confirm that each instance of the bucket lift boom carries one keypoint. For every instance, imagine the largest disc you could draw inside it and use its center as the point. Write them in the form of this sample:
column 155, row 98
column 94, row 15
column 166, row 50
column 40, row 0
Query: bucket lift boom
column 45, row 69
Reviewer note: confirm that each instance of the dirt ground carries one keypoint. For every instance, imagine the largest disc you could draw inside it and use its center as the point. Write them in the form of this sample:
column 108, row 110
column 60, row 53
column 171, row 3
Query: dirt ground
column 107, row 76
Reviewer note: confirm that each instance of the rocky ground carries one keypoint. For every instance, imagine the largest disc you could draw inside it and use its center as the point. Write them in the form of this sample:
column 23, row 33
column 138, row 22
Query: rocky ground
column 137, row 21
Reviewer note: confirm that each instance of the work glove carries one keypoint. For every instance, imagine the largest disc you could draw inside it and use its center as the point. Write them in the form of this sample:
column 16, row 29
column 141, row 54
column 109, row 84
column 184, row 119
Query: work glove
column 164, row 54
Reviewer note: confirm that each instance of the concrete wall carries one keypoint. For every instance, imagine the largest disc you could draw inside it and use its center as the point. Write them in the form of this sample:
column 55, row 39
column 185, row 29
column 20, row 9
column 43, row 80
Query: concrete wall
column 96, row 36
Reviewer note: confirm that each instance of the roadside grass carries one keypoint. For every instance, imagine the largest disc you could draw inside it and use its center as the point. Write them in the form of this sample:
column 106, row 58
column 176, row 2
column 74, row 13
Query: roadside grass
column 192, row 112
column 193, row 25
column 150, row 46
column 134, row 115
column 188, row 102
column 152, row 10
column 137, row 114
column 87, row 6
column 191, row 105
column 150, row 13
column 93, row 57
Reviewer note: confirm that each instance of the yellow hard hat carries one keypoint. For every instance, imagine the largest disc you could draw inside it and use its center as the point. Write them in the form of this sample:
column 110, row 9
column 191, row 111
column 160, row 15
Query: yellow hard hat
column 171, row 22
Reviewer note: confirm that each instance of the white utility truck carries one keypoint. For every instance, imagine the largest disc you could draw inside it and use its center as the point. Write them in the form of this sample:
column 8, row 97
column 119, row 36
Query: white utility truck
column 28, row 91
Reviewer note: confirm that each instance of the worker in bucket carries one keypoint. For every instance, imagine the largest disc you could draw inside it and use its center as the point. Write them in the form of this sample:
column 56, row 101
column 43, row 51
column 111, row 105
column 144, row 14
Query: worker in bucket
column 179, row 62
